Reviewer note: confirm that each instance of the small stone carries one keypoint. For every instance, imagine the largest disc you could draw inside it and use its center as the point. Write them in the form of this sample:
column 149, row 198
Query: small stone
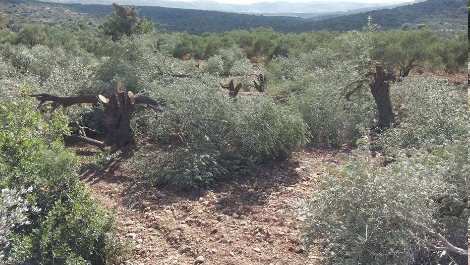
column 131, row 235
column 234, row 215
column 299, row 249
column 128, row 222
column 257, row 250
column 199, row 260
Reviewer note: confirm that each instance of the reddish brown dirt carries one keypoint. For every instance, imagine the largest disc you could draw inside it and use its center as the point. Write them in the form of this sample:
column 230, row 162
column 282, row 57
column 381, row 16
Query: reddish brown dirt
column 243, row 220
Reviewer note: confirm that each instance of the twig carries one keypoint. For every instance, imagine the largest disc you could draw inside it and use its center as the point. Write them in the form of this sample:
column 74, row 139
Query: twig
column 90, row 141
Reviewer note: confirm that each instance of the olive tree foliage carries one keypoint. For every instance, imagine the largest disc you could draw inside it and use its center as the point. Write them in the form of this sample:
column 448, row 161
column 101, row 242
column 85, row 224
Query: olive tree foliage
column 403, row 51
column 327, row 87
column 228, row 62
column 47, row 70
column 209, row 132
column 414, row 209
column 125, row 21
column 31, row 35
column 392, row 215
column 208, row 135
column 131, row 62
column 431, row 111
column 57, row 70
column 3, row 20
column 14, row 210
column 453, row 53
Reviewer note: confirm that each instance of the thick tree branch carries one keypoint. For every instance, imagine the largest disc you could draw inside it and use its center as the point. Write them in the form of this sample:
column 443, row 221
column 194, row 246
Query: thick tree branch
column 56, row 101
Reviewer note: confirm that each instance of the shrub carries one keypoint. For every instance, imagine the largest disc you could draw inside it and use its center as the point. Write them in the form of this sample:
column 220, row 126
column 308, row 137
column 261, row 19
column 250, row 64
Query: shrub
column 214, row 65
column 14, row 210
column 208, row 134
column 134, row 61
column 387, row 215
column 316, row 84
column 69, row 227
column 431, row 112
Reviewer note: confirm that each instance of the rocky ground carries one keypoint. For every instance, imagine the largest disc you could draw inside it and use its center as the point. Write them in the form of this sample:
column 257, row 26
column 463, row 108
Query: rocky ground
column 243, row 220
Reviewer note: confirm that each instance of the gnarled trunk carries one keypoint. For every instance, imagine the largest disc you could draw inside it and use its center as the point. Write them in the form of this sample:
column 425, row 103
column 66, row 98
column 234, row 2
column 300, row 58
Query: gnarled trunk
column 380, row 89
column 119, row 110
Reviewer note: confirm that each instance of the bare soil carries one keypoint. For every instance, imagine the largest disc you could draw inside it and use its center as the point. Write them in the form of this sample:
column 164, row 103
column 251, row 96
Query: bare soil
column 242, row 220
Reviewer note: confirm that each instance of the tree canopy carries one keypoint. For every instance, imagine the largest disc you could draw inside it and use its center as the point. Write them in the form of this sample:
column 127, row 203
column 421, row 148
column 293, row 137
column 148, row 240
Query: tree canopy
column 125, row 21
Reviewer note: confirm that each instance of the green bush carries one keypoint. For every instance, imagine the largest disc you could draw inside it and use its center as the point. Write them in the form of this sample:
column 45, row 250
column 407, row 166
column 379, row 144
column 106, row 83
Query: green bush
column 67, row 227
column 14, row 209
column 214, row 65
column 207, row 134
column 57, row 71
column 431, row 111
column 386, row 215
column 316, row 84
column 136, row 62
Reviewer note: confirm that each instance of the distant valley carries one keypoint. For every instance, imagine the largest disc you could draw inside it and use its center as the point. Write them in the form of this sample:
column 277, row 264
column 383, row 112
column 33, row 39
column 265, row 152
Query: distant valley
column 313, row 9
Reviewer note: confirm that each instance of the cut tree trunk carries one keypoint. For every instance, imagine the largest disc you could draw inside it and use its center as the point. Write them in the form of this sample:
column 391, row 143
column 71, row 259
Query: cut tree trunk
column 380, row 89
column 119, row 108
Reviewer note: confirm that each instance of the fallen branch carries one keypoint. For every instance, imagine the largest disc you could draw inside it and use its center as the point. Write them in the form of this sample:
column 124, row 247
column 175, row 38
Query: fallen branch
column 89, row 141
column 441, row 244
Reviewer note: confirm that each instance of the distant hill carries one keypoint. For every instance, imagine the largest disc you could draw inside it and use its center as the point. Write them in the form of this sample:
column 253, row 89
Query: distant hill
column 312, row 8
column 439, row 15
column 449, row 17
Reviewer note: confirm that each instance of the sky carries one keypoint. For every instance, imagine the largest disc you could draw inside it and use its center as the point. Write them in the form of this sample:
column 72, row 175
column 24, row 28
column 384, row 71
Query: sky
column 359, row 1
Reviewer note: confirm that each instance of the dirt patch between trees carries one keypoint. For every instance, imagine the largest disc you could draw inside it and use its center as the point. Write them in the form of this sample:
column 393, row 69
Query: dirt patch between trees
column 242, row 220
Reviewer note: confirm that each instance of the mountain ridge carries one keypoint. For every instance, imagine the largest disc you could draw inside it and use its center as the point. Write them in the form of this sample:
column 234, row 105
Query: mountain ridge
column 448, row 17
column 314, row 8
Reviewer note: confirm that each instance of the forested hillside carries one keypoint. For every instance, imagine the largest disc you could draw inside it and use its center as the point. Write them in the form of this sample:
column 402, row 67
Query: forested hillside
column 124, row 143
column 447, row 17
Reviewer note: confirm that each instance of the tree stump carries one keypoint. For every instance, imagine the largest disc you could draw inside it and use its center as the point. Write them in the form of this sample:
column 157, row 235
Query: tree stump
column 119, row 109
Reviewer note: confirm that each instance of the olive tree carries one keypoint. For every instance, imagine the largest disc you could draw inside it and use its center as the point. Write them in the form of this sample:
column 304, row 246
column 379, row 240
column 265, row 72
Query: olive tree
column 124, row 21
column 404, row 50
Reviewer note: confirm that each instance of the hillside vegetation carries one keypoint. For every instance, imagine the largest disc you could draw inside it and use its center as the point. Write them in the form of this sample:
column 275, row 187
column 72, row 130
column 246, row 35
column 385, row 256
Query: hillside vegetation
column 447, row 17
column 225, row 105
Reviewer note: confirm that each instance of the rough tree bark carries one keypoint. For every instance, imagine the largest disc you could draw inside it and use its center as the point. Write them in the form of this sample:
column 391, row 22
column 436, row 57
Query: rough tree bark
column 119, row 108
column 380, row 88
